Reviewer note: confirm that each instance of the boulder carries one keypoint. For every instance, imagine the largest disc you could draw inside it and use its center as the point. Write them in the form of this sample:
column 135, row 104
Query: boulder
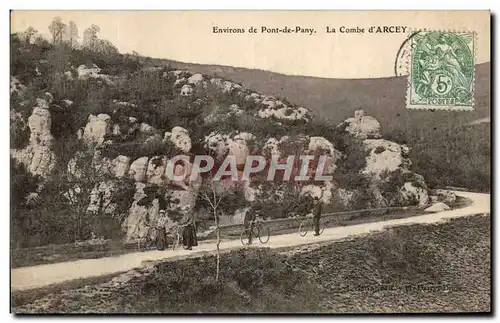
column 138, row 169
column 437, row 207
column 84, row 73
column 145, row 128
column 362, row 126
column 121, row 165
column 284, row 113
column 180, row 138
column 96, row 129
column 446, row 196
column 186, row 90
column 384, row 155
column 195, row 79
column 410, row 193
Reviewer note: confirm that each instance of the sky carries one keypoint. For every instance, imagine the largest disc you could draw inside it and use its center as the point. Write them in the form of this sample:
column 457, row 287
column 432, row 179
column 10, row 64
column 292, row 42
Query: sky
column 188, row 36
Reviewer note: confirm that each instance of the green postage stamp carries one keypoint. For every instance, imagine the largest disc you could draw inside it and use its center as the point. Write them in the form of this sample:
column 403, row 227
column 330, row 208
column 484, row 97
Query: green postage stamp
column 442, row 71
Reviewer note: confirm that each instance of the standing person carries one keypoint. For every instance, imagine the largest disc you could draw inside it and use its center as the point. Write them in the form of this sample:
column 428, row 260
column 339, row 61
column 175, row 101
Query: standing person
column 189, row 238
column 161, row 235
column 317, row 214
column 249, row 223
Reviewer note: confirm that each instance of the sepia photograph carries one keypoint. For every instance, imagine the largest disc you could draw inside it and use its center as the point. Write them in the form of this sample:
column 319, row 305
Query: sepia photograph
column 250, row 162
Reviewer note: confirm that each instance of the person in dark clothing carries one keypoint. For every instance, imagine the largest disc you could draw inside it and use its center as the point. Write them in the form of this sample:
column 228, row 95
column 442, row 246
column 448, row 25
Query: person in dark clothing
column 189, row 239
column 160, row 220
column 161, row 232
column 249, row 223
column 317, row 215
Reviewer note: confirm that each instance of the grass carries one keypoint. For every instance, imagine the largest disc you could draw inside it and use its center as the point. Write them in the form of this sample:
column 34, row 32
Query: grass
column 420, row 268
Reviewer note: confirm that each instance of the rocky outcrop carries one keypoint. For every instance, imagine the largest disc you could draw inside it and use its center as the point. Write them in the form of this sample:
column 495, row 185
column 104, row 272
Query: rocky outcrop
column 180, row 138
column 85, row 73
column 96, row 129
column 138, row 169
column 411, row 193
column 195, row 79
column 186, row 90
column 437, row 207
column 446, row 196
column 38, row 156
column 121, row 166
column 362, row 126
column 385, row 155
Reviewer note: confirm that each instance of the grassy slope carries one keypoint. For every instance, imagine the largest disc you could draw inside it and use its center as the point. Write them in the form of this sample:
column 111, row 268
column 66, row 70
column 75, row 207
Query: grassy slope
column 337, row 99
column 420, row 268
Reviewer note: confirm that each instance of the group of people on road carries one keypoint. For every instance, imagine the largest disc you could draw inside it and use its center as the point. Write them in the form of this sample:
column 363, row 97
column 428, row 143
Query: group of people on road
column 188, row 225
column 252, row 215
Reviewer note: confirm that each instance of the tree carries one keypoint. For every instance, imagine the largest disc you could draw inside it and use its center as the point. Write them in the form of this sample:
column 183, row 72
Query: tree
column 219, row 197
column 90, row 37
column 57, row 29
column 29, row 35
column 106, row 48
column 71, row 35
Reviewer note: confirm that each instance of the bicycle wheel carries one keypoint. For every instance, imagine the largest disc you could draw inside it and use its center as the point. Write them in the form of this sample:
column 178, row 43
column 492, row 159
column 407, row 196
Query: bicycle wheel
column 304, row 228
column 263, row 233
column 244, row 237
column 177, row 241
column 322, row 228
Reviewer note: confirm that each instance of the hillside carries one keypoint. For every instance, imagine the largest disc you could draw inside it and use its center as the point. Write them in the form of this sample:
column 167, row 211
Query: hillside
column 462, row 159
column 337, row 99
column 93, row 131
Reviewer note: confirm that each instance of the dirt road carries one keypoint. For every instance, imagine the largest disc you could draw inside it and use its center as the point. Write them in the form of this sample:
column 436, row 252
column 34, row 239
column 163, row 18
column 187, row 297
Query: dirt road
column 43, row 275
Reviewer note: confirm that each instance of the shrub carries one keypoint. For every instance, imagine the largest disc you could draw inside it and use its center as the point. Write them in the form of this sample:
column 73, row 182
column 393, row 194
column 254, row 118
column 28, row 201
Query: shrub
column 379, row 150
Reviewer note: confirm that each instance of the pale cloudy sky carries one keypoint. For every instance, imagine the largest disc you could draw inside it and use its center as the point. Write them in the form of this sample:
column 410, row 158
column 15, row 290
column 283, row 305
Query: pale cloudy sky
column 188, row 36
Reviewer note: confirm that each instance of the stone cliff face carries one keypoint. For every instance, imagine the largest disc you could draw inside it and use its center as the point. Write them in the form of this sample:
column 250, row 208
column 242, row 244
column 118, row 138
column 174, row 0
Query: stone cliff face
column 382, row 156
column 38, row 156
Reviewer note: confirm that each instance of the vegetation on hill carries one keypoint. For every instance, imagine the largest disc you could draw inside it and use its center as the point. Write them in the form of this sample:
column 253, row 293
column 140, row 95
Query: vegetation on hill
column 444, row 151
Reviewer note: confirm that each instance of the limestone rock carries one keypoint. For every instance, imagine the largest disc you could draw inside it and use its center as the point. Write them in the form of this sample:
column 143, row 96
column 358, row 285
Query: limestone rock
column 411, row 192
column 446, row 196
column 38, row 156
column 362, row 126
column 96, row 129
column 180, row 138
column 121, row 165
column 145, row 128
column 384, row 155
column 195, row 79
column 138, row 169
column 437, row 207
column 186, row 90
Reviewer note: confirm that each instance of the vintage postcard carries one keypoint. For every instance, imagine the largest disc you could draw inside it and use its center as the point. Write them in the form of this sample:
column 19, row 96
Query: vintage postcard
column 250, row 162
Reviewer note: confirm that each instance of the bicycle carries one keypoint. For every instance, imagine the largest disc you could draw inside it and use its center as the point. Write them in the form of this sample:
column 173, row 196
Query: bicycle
column 149, row 240
column 178, row 237
column 308, row 224
column 258, row 231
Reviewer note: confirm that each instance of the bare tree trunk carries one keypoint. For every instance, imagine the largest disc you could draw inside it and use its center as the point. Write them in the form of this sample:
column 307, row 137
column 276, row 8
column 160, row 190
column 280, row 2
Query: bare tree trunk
column 218, row 244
